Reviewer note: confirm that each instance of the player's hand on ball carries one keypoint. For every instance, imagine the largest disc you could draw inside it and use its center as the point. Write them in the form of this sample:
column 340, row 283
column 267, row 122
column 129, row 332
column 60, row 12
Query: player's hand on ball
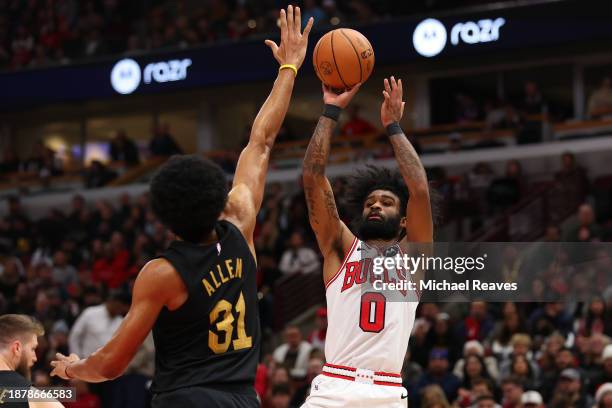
column 294, row 43
column 59, row 365
column 392, row 107
column 341, row 100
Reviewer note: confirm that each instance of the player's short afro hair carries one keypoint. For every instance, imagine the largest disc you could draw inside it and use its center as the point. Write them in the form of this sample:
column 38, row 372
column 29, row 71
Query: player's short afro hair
column 364, row 181
column 188, row 193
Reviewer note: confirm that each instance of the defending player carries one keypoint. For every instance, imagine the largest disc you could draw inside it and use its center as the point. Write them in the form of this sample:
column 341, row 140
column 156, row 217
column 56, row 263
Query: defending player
column 367, row 336
column 200, row 297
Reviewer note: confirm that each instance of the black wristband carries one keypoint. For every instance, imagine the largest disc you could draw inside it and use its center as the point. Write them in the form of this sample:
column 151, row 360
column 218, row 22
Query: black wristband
column 394, row 129
column 332, row 112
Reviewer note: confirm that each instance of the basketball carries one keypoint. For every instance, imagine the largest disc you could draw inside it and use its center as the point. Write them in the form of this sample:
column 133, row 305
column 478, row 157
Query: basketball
column 343, row 58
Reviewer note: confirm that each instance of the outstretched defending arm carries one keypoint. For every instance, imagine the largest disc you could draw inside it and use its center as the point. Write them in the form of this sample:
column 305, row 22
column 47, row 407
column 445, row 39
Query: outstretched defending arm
column 151, row 293
column 419, row 223
column 247, row 191
column 332, row 234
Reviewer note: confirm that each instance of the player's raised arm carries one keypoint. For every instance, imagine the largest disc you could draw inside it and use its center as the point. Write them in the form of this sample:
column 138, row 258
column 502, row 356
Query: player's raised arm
column 247, row 191
column 419, row 222
column 332, row 234
column 151, row 292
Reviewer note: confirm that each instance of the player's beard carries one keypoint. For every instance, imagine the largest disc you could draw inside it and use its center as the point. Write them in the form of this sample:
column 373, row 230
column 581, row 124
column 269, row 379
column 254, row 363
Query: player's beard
column 385, row 229
column 23, row 367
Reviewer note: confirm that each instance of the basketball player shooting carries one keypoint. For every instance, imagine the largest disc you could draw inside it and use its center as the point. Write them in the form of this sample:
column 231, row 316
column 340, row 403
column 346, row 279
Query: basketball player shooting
column 367, row 336
column 200, row 296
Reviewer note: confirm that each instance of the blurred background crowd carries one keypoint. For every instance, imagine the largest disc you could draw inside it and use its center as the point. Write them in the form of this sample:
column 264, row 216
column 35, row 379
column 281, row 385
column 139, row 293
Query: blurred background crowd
column 36, row 33
column 61, row 267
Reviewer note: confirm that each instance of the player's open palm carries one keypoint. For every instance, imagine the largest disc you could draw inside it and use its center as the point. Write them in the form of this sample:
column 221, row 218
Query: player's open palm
column 293, row 44
column 341, row 100
column 392, row 107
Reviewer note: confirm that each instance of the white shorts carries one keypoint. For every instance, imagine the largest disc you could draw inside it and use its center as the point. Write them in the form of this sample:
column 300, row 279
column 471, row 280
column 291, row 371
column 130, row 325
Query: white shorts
column 330, row 392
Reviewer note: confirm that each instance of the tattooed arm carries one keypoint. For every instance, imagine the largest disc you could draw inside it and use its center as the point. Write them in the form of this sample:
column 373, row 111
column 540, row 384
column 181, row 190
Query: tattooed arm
column 332, row 234
column 419, row 223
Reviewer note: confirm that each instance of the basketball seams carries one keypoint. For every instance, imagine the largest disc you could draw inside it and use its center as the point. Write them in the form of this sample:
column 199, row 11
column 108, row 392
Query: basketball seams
column 316, row 58
column 334, row 58
column 356, row 53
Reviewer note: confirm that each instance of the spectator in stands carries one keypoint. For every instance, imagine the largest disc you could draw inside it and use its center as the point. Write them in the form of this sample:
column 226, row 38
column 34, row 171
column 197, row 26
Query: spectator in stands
column 521, row 346
column 112, row 269
column 586, row 229
column 569, row 390
column 418, row 344
column 500, row 115
column 597, row 319
column 480, row 388
column 475, row 185
column 281, row 396
column 486, row 401
column 604, row 374
column 96, row 324
column 603, row 397
column 63, row 273
column 506, row 191
column 474, row 370
column 317, row 337
column 563, row 360
column 94, row 328
column 600, row 102
column 501, row 335
column 356, row 125
column 441, row 336
column 572, row 179
column 58, row 340
column 11, row 274
column 22, row 47
column 294, row 353
column 477, row 325
column 298, row 257
column 162, row 143
column 512, row 389
column 437, row 373
column 315, row 367
column 533, row 102
column 475, row 348
column 433, row 397
column 123, row 149
column 98, row 175
column 532, row 399
column 549, row 318
column 522, row 368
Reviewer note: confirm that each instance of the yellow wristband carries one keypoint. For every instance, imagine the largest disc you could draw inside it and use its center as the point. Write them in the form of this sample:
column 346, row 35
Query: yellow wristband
column 290, row 66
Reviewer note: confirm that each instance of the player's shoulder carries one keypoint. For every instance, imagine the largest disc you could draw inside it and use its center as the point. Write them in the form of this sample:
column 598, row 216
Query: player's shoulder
column 157, row 267
column 239, row 202
column 158, row 273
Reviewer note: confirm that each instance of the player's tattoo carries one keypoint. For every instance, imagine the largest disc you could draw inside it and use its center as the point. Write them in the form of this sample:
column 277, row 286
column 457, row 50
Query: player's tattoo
column 330, row 204
column 310, row 204
column 408, row 160
column 317, row 152
column 320, row 200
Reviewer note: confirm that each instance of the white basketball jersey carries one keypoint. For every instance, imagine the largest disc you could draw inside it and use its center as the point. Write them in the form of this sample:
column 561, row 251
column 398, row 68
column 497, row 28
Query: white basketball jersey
column 365, row 330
